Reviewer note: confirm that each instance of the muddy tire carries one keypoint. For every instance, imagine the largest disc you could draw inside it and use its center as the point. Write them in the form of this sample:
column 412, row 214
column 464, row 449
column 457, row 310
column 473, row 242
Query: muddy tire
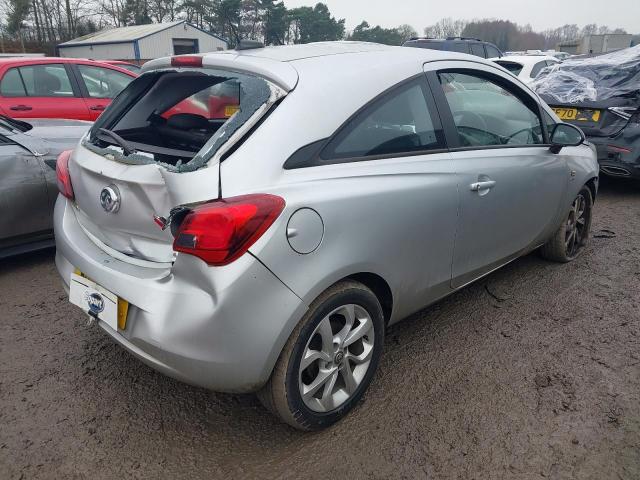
column 329, row 360
column 572, row 236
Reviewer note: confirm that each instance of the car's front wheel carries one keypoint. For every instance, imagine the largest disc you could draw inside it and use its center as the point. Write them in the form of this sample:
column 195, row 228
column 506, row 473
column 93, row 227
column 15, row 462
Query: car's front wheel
column 329, row 360
column 572, row 236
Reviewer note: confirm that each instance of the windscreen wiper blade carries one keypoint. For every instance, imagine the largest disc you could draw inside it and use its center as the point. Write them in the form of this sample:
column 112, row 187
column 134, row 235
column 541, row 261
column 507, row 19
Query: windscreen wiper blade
column 17, row 124
column 126, row 148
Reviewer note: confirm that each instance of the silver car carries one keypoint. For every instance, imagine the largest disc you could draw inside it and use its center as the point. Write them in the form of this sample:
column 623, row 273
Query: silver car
column 252, row 220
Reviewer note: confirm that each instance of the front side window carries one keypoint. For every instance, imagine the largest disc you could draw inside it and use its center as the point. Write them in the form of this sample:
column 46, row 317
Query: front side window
column 399, row 123
column 103, row 82
column 487, row 114
column 49, row 80
column 459, row 47
column 11, row 85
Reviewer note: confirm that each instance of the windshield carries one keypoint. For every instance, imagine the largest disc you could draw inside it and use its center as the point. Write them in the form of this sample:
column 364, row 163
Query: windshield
column 179, row 118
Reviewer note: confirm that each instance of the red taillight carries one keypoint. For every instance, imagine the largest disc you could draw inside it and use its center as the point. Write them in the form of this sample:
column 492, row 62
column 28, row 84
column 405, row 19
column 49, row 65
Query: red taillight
column 62, row 174
column 189, row 61
column 221, row 231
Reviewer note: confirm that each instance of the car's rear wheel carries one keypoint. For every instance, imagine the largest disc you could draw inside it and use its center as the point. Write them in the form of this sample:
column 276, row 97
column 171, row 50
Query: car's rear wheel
column 572, row 236
column 329, row 360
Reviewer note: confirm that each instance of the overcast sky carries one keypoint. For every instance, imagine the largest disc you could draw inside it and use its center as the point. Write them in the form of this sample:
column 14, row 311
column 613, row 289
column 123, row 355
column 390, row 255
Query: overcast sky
column 541, row 14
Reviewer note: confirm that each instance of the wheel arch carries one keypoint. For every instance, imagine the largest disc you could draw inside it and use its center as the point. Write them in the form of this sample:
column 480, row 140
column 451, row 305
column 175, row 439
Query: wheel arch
column 592, row 184
column 380, row 289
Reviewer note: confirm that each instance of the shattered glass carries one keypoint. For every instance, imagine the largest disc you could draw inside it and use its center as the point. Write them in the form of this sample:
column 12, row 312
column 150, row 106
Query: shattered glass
column 615, row 74
column 255, row 94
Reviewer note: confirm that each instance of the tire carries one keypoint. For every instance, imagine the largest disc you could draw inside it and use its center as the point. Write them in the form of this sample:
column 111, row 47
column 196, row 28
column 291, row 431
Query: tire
column 339, row 380
column 572, row 236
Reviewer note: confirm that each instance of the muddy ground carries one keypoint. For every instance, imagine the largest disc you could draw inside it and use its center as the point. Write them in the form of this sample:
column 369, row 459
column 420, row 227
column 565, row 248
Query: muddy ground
column 533, row 372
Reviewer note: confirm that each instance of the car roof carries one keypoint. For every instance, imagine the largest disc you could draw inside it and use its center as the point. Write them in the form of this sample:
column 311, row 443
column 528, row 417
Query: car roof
column 288, row 53
column 286, row 65
column 525, row 59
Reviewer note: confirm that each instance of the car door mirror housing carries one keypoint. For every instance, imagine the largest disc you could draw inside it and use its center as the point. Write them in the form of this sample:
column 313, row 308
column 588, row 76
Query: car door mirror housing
column 566, row 135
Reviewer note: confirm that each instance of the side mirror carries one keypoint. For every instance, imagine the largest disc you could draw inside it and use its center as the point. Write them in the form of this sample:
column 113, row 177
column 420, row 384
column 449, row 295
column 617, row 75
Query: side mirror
column 565, row 135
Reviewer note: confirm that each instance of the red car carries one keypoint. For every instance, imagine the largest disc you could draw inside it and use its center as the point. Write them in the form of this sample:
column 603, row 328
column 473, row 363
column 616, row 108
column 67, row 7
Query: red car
column 132, row 67
column 69, row 88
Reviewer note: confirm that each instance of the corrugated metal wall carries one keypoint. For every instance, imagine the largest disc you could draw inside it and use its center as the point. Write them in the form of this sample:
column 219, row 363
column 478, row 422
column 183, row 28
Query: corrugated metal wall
column 161, row 44
column 112, row 51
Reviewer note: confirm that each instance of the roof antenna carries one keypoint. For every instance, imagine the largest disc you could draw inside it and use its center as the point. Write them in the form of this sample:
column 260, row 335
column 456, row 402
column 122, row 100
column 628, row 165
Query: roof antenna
column 249, row 45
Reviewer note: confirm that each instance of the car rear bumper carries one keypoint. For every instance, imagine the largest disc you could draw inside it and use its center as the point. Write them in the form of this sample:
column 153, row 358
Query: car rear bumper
column 221, row 328
column 618, row 156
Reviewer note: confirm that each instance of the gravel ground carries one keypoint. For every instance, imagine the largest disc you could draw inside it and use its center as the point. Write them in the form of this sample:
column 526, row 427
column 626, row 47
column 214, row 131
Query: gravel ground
column 532, row 372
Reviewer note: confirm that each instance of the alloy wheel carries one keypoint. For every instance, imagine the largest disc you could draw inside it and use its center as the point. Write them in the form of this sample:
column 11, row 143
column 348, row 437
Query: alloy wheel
column 576, row 226
column 336, row 358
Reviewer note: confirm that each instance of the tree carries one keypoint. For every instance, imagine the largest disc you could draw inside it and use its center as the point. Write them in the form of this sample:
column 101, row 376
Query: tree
column 447, row 27
column 17, row 13
column 276, row 23
column 377, row 34
column 136, row 12
column 314, row 25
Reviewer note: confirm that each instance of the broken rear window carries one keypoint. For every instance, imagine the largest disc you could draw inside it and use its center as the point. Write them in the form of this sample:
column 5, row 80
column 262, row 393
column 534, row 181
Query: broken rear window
column 179, row 118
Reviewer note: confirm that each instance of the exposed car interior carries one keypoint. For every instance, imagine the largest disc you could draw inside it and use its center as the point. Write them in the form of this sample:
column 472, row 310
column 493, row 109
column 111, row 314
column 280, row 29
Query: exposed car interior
column 175, row 116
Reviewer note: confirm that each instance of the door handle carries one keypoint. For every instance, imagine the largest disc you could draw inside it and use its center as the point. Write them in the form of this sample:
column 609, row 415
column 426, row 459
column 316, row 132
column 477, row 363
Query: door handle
column 479, row 186
column 20, row 108
column 99, row 108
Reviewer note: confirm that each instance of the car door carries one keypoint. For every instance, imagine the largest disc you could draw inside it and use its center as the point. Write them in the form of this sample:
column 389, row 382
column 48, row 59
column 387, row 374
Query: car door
column 41, row 91
column 24, row 201
column 99, row 86
column 385, row 187
column 511, row 184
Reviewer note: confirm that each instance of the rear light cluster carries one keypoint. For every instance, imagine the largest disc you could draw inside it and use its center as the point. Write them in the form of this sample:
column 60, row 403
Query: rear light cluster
column 626, row 112
column 188, row 61
column 221, row 231
column 62, row 174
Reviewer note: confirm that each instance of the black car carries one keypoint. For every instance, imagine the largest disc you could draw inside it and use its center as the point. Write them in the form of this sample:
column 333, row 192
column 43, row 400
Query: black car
column 601, row 95
column 473, row 46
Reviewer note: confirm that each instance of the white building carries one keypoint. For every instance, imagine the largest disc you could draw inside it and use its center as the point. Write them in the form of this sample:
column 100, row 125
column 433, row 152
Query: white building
column 140, row 43
column 596, row 44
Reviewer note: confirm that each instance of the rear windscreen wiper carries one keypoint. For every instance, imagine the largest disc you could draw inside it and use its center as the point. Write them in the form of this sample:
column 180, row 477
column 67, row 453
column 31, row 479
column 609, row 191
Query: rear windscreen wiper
column 126, row 148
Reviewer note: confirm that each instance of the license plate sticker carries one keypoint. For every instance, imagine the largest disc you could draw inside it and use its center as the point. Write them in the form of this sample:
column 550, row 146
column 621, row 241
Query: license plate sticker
column 578, row 114
column 97, row 301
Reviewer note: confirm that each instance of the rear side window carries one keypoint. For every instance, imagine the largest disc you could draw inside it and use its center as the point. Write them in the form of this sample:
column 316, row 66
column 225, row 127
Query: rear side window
column 513, row 67
column 487, row 114
column 398, row 123
column 103, row 82
column 12, row 85
column 537, row 68
column 477, row 49
column 492, row 52
column 49, row 80
column 179, row 118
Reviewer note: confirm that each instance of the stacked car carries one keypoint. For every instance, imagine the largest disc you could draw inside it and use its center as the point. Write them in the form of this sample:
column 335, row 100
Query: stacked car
column 601, row 95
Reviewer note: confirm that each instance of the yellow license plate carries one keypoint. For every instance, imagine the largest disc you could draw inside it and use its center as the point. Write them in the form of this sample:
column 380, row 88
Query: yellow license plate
column 229, row 110
column 123, row 306
column 577, row 114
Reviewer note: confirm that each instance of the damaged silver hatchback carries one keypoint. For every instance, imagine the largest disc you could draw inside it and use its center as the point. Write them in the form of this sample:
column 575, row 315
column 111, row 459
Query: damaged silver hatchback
column 251, row 221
